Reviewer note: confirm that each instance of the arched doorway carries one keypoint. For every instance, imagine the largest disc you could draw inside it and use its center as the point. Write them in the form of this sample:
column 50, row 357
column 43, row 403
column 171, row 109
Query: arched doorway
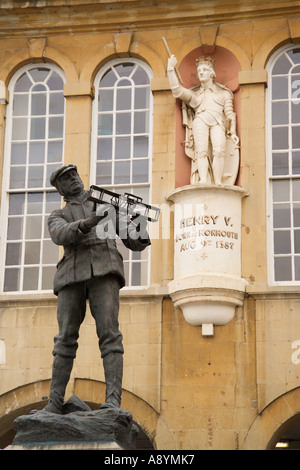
column 287, row 436
column 277, row 426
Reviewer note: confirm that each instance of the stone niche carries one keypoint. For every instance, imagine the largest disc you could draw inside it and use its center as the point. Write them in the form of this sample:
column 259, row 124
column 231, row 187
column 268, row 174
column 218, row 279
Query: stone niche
column 207, row 283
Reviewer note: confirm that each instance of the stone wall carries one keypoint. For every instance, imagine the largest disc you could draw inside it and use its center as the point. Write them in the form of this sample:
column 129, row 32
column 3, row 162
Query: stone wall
column 231, row 391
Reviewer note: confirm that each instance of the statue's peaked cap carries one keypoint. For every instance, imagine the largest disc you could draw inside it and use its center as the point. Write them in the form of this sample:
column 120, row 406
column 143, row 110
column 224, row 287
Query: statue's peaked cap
column 59, row 171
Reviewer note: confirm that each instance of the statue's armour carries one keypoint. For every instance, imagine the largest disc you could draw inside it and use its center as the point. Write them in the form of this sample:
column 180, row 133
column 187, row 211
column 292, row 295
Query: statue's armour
column 209, row 110
column 210, row 104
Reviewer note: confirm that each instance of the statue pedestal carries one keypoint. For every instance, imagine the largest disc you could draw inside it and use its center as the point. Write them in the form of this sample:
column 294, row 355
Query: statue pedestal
column 207, row 283
column 106, row 429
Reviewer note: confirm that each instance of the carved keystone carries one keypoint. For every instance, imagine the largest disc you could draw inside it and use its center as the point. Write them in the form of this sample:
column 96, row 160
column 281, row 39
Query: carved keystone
column 122, row 43
column 36, row 47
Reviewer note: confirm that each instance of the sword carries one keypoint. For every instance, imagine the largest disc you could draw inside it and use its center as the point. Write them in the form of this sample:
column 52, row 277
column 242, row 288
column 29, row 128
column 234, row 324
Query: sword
column 170, row 55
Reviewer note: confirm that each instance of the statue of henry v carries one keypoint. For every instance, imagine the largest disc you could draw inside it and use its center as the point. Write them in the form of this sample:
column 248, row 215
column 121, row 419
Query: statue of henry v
column 210, row 121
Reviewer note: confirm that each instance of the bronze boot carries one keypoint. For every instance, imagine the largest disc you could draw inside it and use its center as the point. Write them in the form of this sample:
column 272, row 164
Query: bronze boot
column 61, row 371
column 113, row 369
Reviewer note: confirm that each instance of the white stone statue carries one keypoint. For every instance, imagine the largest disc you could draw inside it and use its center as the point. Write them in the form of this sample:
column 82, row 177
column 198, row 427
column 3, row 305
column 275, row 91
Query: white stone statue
column 210, row 121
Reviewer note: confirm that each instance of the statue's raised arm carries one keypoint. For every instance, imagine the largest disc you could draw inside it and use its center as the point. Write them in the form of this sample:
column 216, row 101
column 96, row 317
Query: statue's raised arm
column 177, row 89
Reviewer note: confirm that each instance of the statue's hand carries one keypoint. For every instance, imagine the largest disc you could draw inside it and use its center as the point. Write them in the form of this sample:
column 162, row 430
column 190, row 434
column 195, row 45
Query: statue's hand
column 102, row 212
column 172, row 62
column 235, row 139
column 105, row 210
column 87, row 224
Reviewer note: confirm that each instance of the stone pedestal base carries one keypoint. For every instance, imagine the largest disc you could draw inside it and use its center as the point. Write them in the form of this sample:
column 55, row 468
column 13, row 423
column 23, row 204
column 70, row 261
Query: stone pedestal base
column 207, row 283
column 69, row 446
column 106, row 429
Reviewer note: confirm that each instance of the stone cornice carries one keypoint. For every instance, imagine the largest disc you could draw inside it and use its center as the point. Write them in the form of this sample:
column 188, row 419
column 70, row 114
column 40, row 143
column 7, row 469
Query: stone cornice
column 35, row 18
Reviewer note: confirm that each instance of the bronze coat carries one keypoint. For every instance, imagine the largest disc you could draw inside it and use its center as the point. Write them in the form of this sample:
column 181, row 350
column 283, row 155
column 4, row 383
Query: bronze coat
column 85, row 255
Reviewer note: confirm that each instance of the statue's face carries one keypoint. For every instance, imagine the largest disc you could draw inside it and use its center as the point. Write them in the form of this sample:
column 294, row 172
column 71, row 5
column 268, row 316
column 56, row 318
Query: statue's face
column 205, row 73
column 70, row 184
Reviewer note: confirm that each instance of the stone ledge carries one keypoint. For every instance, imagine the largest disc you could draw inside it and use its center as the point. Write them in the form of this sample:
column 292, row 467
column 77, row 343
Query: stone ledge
column 38, row 299
column 253, row 77
column 160, row 84
column 265, row 291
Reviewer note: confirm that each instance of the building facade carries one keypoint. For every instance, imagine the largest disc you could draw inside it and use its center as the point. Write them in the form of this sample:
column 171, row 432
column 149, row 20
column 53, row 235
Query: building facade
column 85, row 82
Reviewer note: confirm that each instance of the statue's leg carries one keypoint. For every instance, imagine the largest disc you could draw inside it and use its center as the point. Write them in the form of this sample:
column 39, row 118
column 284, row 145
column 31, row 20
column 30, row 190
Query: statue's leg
column 201, row 138
column 202, row 160
column 218, row 167
column 218, row 140
column 61, row 370
column 71, row 304
column 104, row 303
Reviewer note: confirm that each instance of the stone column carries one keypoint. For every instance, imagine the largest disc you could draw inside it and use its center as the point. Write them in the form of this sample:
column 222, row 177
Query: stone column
column 79, row 97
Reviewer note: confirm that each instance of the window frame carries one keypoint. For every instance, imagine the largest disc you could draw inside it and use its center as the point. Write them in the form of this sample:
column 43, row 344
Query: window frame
column 130, row 187
column 6, row 191
column 270, row 178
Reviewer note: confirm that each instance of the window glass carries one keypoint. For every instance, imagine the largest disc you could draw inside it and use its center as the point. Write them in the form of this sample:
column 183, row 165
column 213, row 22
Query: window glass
column 18, row 153
column 55, row 82
column 38, row 104
column 21, row 105
column 280, row 163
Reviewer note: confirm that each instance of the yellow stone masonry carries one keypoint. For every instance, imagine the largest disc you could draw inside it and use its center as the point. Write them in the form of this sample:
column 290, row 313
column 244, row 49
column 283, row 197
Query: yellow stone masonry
column 230, row 391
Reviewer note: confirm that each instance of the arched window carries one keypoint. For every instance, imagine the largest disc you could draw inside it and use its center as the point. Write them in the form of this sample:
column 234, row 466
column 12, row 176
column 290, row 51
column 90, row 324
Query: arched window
column 283, row 166
column 33, row 149
column 122, row 143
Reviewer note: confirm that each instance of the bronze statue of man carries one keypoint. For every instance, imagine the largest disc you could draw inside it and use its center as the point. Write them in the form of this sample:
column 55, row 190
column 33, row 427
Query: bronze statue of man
column 91, row 268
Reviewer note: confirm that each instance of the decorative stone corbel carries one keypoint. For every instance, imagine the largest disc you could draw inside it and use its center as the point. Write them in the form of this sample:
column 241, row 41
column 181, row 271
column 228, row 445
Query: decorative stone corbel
column 207, row 283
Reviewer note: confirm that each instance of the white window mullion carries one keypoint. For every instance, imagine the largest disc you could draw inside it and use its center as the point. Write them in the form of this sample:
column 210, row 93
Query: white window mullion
column 132, row 114
column 114, row 131
column 22, row 262
column 292, row 231
column 46, row 133
column 42, row 240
